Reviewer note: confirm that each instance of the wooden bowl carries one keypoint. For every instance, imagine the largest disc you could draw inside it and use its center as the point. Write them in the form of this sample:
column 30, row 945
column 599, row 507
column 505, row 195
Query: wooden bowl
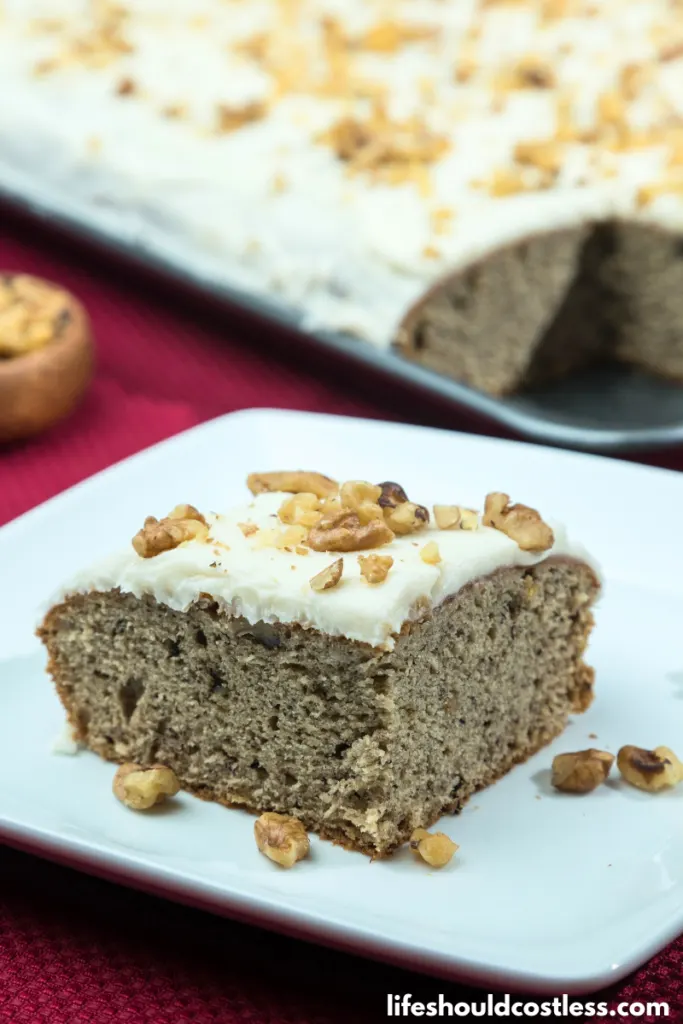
column 42, row 386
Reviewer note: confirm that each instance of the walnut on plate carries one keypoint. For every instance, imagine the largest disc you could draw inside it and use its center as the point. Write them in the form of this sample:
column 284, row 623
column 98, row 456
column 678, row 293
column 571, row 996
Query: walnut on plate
column 296, row 481
column 650, row 770
column 141, row 788
column 435, row 848
column 581, row 771
column 518, row 522
column 282, row 838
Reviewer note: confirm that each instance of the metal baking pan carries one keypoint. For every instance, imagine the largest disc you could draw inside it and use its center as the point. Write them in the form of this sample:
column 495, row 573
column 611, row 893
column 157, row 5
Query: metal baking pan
column 612, row 409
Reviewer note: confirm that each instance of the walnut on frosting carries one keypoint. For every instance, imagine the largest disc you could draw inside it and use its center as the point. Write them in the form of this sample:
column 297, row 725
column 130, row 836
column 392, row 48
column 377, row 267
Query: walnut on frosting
column 296, row 481
column 401, row 515
column 362, row 498
column 300, row 510
column 375, row 568
column 343, row 531
column 518, row 522
column 329, row 577
column 183, row 523
column 455, row 517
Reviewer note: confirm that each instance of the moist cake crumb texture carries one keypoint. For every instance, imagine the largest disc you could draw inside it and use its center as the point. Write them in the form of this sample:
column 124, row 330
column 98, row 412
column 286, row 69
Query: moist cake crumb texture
column 365, row 705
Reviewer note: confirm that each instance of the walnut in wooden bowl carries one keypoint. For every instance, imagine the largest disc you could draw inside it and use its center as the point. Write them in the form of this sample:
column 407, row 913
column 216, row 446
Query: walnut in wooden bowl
column 46, row 354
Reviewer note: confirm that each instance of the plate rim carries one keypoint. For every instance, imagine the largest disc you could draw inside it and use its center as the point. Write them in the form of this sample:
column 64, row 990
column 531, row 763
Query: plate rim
column 354, row 939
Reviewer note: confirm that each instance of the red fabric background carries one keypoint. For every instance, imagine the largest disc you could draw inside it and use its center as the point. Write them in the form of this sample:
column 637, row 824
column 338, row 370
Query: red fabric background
column 75, row 950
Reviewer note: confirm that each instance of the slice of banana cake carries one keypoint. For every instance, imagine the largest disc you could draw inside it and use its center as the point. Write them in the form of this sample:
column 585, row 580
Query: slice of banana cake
column 336, row 652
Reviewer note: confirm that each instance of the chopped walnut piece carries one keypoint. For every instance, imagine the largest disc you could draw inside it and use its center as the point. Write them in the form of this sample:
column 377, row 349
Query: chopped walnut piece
column 230, row 119
column 361, row 497
column 436, row 848
column 581, row 771
column 301, row 510
column 518, row 522
column 248, row 529
column 650, row 770
column 389, row 36
column 140, row 788
column 375, row 568
column 391, row 494
column 31, row 313
column 126, row 87
column 290, row 537
column 531, row 72
column 329, row 577
column 391, row 150
column 406, row 517
column 455, row 517
column 546, row 155
column 281, row 838
column 297, row 481
column 186, row 512
column 343, row 531
column 430, row 553
column 671, row 51
column 157, row 535
column 174, row 111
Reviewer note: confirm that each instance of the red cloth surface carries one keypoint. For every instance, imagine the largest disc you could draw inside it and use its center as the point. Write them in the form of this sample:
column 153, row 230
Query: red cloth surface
column 75, row 950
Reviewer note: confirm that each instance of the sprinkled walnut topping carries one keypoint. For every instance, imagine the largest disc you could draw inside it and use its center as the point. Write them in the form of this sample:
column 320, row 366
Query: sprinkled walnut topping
column 581, row 771
column 186, row 512
column 159, row 535
column 435, row 848
column 293, row 482
column 362, row 498
column 290, row 538
column 390, row 150
column 650, row 770
column 391, row 494
column 101, row 40
column 375, row 568
column 406, row 517
column 248, row 529
column 230, row 119
column 518, row 522
column 391, row 36
column 32, row 314
column 455, row 517
column 532, row 73
column 544, row 155
column 301, row 510
column 430, row 553
column 329, row 577
column 126, row 87
column 281, row 838
column 343, row 531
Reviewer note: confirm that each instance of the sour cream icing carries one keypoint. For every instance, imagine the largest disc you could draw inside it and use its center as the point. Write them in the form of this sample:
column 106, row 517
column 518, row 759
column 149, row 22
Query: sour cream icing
column 264, row 583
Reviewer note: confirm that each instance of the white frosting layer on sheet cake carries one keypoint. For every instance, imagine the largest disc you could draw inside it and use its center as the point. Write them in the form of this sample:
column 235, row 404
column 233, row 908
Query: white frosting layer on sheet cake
column 264, row 583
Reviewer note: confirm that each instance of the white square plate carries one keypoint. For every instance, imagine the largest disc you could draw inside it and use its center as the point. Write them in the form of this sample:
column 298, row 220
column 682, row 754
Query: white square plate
column 548, row 892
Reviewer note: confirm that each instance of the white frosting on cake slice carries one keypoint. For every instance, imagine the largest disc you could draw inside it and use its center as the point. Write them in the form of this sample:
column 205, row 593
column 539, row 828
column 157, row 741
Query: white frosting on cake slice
column 250, row 577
